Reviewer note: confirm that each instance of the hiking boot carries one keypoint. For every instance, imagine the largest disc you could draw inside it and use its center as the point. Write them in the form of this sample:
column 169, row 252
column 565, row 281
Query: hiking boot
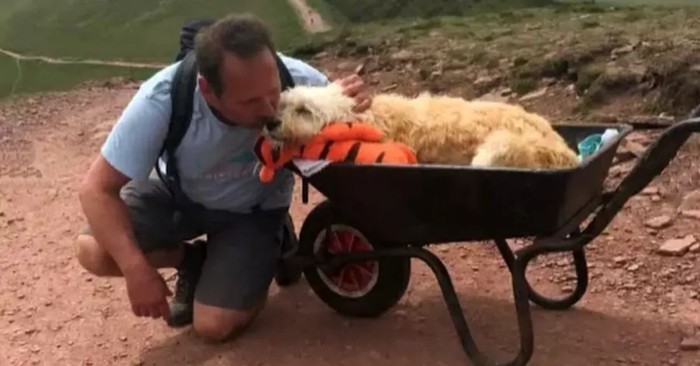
column 287, row 272
column 188, row 273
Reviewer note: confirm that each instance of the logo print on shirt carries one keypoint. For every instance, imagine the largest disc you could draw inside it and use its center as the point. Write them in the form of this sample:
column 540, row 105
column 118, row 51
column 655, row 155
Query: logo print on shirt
column 242, row 165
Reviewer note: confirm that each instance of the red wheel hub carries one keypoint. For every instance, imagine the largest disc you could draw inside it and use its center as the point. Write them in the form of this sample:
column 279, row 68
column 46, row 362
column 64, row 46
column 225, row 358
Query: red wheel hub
column 354, row 276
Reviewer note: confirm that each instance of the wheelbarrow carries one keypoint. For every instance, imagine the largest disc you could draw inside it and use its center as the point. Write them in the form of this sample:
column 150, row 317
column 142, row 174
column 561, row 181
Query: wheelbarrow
column 355, row 247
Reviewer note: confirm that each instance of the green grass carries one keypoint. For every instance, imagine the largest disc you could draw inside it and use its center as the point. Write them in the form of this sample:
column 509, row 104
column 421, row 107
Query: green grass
column 148, row 30
column 37, row 76
column 134, row 30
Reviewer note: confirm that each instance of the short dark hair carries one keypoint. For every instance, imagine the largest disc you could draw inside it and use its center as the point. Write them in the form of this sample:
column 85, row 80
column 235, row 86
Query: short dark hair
column 241, row 34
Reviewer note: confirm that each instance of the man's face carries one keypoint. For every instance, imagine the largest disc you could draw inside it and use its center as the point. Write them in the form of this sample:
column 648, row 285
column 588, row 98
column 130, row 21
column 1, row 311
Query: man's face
column 251, row 89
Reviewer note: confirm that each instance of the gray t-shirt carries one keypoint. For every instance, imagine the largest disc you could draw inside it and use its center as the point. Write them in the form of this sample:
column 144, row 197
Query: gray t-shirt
column 217, row 166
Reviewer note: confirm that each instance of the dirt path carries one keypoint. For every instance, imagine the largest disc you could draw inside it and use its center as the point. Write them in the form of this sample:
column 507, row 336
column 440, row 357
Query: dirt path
column 313, row 21
column 638, row 309
column 52, row 60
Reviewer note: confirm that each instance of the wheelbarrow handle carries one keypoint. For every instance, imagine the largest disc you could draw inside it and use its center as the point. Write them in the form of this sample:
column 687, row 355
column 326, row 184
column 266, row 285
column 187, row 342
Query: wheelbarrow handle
column 655, row 159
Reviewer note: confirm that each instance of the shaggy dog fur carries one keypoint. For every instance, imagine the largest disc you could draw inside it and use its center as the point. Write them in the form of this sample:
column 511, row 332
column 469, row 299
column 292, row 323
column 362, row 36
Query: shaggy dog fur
column 441, row 129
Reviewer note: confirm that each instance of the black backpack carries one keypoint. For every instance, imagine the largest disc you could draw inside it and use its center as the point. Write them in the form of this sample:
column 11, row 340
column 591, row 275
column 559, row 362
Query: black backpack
column 182, row 94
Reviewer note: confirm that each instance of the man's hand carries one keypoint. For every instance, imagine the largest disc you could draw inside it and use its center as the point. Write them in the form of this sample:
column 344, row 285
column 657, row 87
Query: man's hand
column 354, row 87
column 148, row 292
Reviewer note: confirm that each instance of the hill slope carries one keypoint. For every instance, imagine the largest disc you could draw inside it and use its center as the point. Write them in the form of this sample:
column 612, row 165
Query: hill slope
column 361, row 11
column 135, row 30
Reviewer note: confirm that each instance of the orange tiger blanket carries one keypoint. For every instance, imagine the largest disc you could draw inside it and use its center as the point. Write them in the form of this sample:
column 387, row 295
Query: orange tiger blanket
column 340, row 142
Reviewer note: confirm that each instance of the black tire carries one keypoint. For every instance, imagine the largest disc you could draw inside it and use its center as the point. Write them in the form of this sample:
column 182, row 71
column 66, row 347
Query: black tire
column 391, row 276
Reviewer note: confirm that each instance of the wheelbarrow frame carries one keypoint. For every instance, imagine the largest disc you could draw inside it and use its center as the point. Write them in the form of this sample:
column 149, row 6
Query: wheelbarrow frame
column 569, row 237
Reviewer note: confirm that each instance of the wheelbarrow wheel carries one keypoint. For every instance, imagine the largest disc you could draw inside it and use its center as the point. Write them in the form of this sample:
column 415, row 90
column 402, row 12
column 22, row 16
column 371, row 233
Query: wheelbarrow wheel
column 357, row 289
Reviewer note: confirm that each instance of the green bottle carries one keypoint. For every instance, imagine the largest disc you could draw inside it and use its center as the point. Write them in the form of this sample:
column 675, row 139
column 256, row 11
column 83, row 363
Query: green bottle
column 594, row 142
column 589, row 145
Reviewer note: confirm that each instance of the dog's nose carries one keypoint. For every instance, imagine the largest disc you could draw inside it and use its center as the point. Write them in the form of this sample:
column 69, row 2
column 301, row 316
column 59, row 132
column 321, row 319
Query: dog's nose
column 272, row 124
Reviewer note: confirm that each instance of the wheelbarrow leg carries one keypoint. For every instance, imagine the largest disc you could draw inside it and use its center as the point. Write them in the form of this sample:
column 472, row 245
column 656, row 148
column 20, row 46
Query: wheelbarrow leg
column 520, row 292
column 506, row 253
column 580, row 265
column 522, row 307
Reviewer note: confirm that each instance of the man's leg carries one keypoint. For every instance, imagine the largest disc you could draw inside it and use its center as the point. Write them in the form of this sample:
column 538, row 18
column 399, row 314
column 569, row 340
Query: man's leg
column 160, row 235
column 240, row 264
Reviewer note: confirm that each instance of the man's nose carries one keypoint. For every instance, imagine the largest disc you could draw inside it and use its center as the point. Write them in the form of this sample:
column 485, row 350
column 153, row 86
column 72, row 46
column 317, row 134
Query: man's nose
column 267, row 107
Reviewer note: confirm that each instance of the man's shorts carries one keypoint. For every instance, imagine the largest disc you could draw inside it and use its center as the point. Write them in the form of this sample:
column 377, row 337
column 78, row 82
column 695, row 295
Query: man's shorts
column 242, row 249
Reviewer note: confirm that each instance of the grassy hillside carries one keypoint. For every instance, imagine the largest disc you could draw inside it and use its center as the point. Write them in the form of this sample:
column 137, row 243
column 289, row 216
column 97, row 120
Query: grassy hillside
column 135, row 30
column 148, row 30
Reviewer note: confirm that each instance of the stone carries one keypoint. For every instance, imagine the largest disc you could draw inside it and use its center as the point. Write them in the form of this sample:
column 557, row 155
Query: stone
column 690, row 344
column 622, row 50
column 549, row 81
column 534, row 95
column 487, row 82
column 691, row 201
column 631, row 150
column 493, row 97
column 677, row 246
column 649, row 191
column 402, row 55
column 693, row 214
column 659, row 222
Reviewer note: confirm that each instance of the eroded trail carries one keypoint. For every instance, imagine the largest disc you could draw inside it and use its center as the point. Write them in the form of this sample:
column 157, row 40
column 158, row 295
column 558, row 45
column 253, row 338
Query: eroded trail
column 53, row 313
column 62, row 61
column 312, row 19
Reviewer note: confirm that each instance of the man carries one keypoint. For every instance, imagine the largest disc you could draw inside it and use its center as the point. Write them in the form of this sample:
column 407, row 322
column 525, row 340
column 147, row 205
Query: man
column 134, row 226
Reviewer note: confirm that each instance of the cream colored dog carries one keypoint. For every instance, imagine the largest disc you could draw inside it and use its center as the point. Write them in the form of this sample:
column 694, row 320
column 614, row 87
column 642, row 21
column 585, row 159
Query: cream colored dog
column 441, row 129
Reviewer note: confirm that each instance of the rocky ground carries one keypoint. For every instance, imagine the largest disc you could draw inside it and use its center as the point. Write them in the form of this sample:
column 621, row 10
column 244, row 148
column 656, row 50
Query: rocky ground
column 643, row 302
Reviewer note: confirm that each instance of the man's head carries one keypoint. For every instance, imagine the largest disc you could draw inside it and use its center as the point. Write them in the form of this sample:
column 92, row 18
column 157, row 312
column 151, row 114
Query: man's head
column 239, row 75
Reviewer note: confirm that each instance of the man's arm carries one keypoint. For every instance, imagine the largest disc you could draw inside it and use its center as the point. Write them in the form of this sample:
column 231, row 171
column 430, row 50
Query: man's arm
column 107, row 214
column 130, row 152
column 111, row 227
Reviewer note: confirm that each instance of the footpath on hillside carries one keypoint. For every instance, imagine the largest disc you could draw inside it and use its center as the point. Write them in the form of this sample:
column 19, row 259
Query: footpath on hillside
column 63, row 61
column 312, row 19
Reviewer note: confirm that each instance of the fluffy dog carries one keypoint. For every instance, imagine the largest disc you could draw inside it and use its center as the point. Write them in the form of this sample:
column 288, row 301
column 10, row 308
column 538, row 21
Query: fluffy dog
column 441, row 129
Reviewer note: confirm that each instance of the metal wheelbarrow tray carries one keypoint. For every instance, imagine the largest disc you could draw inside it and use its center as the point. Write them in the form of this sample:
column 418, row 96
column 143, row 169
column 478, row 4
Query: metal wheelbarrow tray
column 356, row 246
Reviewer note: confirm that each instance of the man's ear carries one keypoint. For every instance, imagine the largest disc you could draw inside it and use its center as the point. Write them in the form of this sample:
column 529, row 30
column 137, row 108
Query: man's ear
column 207, row 91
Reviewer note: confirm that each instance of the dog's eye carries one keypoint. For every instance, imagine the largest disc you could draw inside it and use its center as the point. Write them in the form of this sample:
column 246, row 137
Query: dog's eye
column 302, row 110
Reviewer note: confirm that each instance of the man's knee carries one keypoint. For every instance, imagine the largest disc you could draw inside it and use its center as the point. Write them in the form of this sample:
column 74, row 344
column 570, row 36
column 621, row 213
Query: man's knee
column 219, row 325
column 92, row 257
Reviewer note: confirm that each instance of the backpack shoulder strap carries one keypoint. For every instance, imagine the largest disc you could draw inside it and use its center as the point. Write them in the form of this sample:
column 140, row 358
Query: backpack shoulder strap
column 182, row 96
column 285, row 75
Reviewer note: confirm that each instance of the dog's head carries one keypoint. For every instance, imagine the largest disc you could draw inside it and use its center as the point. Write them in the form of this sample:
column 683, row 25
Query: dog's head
column 304, row 110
